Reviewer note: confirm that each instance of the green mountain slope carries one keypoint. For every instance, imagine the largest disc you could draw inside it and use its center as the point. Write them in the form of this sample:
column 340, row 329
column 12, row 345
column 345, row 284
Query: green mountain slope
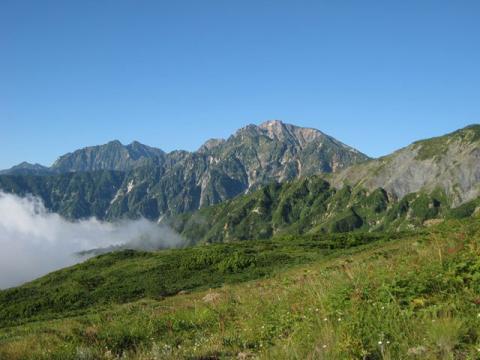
column 311, row 205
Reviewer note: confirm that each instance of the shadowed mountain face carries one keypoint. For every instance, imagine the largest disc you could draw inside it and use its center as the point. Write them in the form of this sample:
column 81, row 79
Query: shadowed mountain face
column 154, row 183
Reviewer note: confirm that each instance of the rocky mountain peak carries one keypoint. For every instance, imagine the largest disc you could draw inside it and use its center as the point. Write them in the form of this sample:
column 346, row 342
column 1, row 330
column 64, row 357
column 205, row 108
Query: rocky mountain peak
column 272, row 124
column 136, row 143
column 276, row 129
column 210, row 144
column 113, row 143
column 301, row 136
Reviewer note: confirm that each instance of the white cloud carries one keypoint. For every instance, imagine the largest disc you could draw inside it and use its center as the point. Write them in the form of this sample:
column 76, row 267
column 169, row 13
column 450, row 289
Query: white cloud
column 34, row 241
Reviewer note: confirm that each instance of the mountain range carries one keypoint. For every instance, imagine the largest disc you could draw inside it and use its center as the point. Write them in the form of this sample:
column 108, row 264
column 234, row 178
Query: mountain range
column 263, row 180
column 137, row 180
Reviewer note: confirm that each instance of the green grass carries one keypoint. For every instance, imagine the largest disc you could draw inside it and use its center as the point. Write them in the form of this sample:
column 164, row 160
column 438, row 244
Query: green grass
column 129, row 275
column 413, row 297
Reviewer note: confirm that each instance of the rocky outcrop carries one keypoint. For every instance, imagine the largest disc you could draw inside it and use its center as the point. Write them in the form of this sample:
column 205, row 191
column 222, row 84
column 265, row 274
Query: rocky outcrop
column 450, row 163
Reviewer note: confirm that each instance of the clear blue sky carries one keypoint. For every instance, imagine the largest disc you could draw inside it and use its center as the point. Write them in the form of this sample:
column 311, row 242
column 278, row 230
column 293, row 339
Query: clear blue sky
column 375, row 74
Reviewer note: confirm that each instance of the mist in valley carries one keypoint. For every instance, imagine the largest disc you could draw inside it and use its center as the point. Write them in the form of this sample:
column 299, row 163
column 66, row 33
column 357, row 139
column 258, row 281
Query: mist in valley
column 34, row 241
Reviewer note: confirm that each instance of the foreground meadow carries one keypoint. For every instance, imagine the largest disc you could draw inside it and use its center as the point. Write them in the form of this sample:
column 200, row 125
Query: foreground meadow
column 415, row 296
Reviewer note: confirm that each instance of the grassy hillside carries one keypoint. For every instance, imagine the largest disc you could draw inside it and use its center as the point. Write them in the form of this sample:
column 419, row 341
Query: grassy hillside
column 416, row 296
column 130, row 275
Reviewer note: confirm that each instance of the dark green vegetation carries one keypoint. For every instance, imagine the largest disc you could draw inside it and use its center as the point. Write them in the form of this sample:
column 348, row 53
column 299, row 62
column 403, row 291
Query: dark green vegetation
column 129, row 275
column 73, row 195
column 311, row 205
column 415, row 296
column 155, row 183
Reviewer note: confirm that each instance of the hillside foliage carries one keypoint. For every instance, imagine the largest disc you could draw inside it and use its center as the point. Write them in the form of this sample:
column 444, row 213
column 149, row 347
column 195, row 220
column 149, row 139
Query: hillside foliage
column 415, row 296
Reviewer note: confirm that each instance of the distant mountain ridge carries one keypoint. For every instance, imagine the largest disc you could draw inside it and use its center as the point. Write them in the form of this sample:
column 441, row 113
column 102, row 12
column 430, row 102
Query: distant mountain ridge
column 26, row 168
column 111, row 156
column 118, row 157
column 155, row 183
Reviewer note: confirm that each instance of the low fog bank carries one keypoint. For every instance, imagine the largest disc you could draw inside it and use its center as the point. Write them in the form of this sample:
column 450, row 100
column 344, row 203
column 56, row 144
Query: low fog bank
column 34, row 241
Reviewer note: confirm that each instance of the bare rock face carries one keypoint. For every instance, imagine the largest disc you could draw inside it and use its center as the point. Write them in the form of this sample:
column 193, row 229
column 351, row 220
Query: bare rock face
column 450, row 163
column 210, row 144
column 278, row 151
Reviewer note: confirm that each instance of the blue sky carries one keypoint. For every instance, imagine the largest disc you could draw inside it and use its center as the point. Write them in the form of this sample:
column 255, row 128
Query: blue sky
column 375, row 74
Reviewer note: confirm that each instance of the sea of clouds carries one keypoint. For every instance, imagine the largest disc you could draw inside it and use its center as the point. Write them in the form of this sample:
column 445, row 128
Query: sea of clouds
column 34, row 241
